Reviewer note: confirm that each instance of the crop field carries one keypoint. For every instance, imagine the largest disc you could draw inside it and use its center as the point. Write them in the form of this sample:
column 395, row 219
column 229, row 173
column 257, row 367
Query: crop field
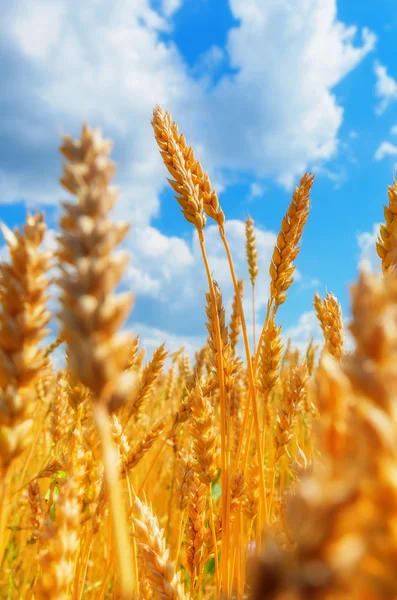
column 266, row 473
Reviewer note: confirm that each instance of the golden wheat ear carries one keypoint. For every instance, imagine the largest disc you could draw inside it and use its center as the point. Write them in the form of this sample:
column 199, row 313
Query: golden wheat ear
column 23, row 324
column 270, row 359
column 287, row 247
column 91, row 313
column 169, row 142
column 386, row 246
column 154, row 559
column 235, row 320
column 252, row 261
column 60, row 536
column 329, row 314
column 187, row 172
column 251, row 251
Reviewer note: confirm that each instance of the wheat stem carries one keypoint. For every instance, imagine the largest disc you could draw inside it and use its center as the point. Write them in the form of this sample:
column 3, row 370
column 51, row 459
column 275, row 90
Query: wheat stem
column 214, row 541
column 184, row 518
column 252, row 387
column 110, row 462
column 253, row 317
column 102, row 590
column 225, row 466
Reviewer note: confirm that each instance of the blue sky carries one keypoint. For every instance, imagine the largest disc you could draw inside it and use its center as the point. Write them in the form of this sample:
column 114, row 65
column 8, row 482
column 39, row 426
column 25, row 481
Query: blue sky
column 262, row 89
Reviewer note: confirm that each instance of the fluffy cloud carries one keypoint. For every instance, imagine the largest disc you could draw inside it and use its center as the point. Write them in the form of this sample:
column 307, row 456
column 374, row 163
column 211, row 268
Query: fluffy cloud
column 306, row 328
column 385, row 88
column 385, row 149
column 151, row 338
column 336, row 176
column 367, row 244
column 168, row 276
column 288, row 57
column 169, row 7
column 273, row 114
column 256, row 190
column 107, row 63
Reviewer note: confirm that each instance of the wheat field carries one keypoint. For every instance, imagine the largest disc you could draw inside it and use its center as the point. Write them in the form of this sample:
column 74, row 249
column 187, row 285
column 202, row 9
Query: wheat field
column 271, row 475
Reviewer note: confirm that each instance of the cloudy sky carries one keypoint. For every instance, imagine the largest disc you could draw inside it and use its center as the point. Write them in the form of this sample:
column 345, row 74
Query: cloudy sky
column 262, row 89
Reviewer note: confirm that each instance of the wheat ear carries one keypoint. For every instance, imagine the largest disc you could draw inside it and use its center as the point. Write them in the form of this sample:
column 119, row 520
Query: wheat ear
column 136, row 453
column 235, row 320
column 195, row 529
column 329, row 314
column 189, row 197
column 386, row 245
column 294, row 395
column 252, row 260
column 91, row 314
column 23, row 321
column 149, row 377
column 61, row 537
column 154, row 555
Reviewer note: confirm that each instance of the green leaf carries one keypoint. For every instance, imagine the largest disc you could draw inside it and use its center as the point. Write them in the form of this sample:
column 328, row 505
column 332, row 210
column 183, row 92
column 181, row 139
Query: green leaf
column 210, row 566
column 217, row 478
column 51, row 512
column 216, row 491
column 55, row 493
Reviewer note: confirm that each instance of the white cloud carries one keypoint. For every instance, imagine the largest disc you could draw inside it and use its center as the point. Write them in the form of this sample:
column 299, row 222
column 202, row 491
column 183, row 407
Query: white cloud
column 151, row 338
column 36, row 17
column 306, row 328
column 393, row 130
column 367, row 244
column 314, row 282
column 171, row 271
column 273, row 114
column 142, row 282
column 256, row 190
column 385, row 149
column 337, row 176
column 289, row 56
column 208, row 64
column 106, row 63
column 385, row 88
column 169, row 7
